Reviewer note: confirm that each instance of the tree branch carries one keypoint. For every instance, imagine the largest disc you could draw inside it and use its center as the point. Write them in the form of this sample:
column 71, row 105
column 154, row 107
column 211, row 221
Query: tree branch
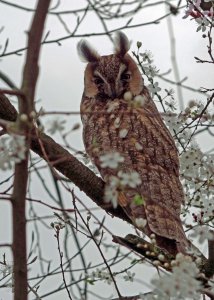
column 65, row 163
column 26, row 104
column 210, row 262
column 92, row 185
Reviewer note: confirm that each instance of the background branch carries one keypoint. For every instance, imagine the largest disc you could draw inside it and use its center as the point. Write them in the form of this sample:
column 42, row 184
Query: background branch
column 18, row 198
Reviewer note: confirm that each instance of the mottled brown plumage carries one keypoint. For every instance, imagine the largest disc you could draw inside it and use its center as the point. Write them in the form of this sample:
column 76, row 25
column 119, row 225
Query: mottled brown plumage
column 148, row 147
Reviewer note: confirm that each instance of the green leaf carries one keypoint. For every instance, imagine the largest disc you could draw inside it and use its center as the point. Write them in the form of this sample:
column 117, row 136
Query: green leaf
column 90, row 281
column 138, row 200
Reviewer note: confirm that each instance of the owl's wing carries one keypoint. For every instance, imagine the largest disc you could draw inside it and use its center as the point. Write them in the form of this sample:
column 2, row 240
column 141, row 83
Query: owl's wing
column 158, row 165
column 148, row 149
column 161, row 186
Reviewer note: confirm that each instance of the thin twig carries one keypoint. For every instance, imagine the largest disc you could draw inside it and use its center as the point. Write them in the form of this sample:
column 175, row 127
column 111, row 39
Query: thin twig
column 98, row 247
column 57, row 230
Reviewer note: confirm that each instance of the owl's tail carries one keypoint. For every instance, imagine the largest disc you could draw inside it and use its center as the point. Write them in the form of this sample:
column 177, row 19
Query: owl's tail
column 172, row 246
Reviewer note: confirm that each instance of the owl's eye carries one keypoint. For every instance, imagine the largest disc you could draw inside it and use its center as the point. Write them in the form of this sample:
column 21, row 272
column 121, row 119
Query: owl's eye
column 125, row 76
column 98, row 80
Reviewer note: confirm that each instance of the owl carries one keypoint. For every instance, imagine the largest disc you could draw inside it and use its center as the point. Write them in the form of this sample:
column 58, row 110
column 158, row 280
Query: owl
column 119, row 117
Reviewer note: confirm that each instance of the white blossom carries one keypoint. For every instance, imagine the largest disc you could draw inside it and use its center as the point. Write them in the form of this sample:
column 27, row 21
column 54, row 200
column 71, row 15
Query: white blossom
column 115, row 183
column 172, row 121
column 56, row 125
column 182, row 283
column 111, row 160
column 127, row 96
column 111, row 191
column 129, row 179
column 208, row 203
column 6, row 269
column 140, row 222
column 150, row 71
column 5, row 162
column 203, row 23
column 171, row 105
column 147, row 296
column 111, row 196
column 200, row 108
column 123, row 133
column 147, row 56
column 102, row 275
column 161, row 257
column 190, row 161
column 138, row 146
column 129, row 276
column 17, row 147
column 24, row 118
column 12, row 149
column 117, row 122
column 140, row 99
column 154, row 88
column 202, row 233
column 170, row 92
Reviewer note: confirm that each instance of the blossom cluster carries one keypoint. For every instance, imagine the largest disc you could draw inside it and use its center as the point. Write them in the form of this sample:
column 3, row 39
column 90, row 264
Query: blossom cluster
column 196, row 167
column 197, row 172
column 146, row 63
column 6, row 269
column 56, row 125
column 99, row 274
column 145, row 60
column 137, row 101
column 200, row 13
column 117, row 183
column 202, row 233
column 182, row 283
column 12, row 150
column 105, row 276
column 111, row 160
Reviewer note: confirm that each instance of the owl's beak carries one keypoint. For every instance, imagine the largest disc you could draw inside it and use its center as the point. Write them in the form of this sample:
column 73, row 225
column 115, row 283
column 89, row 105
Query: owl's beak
column 113, row 94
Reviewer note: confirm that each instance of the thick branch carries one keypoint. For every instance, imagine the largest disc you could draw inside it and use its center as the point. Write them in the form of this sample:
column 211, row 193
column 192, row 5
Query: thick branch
column 31, row 68
column 158, row 256
column 210, row 262
column 18, row 199
column 65, row 163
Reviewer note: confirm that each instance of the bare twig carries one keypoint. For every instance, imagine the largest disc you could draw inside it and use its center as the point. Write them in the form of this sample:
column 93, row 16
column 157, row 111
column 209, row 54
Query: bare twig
column 98, row 247
column 174, row 60
column 59, row 40
column 57, row 230
column 6, row 245
column 50, row 206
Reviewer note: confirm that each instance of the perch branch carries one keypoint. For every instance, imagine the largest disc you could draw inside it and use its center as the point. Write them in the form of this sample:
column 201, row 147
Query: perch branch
column 80, row 175
column 65, row 163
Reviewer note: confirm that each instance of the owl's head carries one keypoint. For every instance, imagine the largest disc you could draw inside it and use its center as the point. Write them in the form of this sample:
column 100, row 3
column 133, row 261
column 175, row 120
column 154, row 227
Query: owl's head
column 110, row 76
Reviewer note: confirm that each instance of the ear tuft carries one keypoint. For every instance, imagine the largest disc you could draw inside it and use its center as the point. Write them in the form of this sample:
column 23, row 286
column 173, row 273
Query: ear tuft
column 121, row 44
column 86, row 52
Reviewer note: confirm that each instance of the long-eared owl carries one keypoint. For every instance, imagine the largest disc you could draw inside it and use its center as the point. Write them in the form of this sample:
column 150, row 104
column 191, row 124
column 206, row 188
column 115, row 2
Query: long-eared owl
column 120, row 119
